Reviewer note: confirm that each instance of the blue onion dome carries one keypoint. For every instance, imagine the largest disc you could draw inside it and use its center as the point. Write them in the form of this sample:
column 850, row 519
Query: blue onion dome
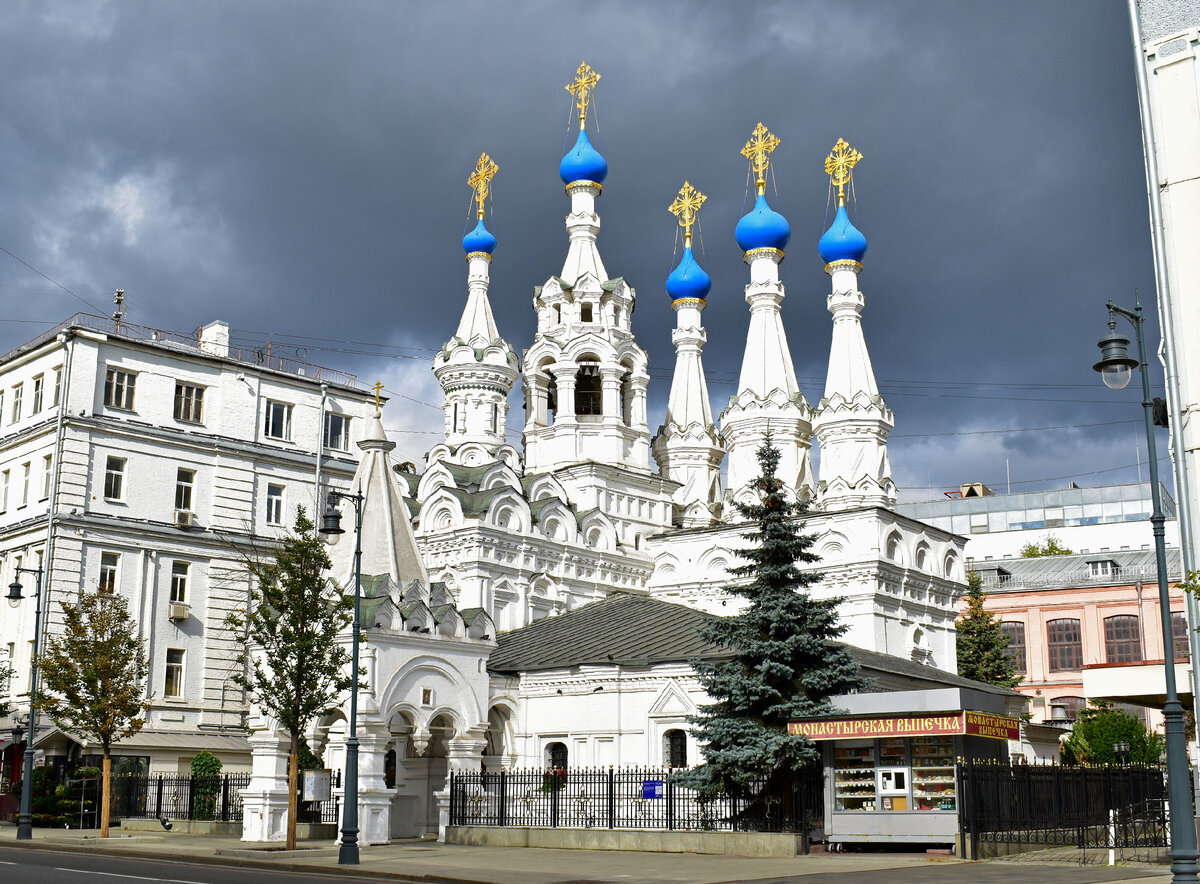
column 762, row 228
column 479, row 240
column 688, row 280
column 842, row 241
column 583, row 162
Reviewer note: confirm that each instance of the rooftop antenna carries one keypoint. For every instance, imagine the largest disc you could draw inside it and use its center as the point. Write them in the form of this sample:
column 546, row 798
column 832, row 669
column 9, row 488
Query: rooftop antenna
column 119, row 313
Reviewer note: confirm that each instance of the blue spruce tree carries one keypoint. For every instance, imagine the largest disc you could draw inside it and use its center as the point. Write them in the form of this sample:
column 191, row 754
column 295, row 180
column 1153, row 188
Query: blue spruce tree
column 784, row 664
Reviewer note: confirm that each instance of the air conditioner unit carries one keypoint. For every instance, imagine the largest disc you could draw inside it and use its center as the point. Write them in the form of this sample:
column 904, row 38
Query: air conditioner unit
column 183, row 518
column 178, row 611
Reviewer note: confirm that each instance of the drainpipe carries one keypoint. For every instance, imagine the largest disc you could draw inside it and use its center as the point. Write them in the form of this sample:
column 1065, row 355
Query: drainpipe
column 320, row 451
column 1167, row 354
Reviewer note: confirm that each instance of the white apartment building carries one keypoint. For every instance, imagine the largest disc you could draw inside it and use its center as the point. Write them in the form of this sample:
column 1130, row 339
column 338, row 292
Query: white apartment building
column 151, row 463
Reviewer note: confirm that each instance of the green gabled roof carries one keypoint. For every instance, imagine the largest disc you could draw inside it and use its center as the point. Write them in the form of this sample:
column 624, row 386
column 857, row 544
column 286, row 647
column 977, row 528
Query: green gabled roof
column 537, row 507
column 412, row 480
column 470, row 615
column 375, row 586
column 465, row 477
column 368, row 611
column 566, row 286
column 612, row 284
column 441, row 612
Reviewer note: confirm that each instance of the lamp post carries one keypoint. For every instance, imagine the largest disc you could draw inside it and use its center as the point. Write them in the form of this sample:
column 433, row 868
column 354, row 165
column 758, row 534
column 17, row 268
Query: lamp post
column 1121, row 750
column 25, row 818
column 331, row 525
column 1116, row 369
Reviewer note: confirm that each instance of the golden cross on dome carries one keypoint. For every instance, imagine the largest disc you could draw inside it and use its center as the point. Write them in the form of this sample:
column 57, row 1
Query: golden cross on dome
column 377, row 388
column 485, row 170
column 757, row 151
column 685, row 208
column 581, row 88
column 839, row 166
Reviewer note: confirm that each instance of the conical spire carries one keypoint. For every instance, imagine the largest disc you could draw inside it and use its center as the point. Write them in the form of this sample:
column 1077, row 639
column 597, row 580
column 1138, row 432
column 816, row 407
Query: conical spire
column 476, row 368
column 853, row 421
column 388, row 544
column 768, row 399
column 688, row 447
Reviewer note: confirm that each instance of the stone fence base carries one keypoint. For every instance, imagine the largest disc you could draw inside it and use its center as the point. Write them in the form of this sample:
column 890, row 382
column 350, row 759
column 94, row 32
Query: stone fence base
column 721, row 843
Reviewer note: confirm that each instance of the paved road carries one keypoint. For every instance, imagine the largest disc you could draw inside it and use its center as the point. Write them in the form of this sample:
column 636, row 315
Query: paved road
column 62, row 867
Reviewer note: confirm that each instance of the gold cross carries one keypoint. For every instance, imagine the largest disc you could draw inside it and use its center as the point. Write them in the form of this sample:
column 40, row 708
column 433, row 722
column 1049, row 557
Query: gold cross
column 839, row 166
column 485, row 170
column 757, row 151
column 685, row 208
column 581, row 88
column 377, row 388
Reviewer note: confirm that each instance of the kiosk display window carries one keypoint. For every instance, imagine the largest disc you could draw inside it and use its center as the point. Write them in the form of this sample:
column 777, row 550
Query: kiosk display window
column 933, row 773
column 854, row 775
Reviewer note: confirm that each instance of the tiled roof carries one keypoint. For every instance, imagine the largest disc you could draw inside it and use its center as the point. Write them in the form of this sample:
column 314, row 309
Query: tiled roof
column 1068, row 572
column 635, row 629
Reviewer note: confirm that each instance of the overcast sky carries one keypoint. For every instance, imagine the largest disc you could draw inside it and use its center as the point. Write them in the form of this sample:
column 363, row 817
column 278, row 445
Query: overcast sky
column 299, row 170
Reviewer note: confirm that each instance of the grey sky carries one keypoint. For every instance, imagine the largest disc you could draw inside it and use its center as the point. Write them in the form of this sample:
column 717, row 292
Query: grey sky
column 299, row 169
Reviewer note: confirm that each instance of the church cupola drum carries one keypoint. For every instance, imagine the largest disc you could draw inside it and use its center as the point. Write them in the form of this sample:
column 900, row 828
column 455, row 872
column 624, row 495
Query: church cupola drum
column 585, row 376
column 688, row 447
column 768, row 399
column 853, row 421
column 476, row 368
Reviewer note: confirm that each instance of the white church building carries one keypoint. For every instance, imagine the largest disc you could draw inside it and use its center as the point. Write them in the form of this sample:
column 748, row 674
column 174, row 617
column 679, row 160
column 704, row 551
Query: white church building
column 607, row 528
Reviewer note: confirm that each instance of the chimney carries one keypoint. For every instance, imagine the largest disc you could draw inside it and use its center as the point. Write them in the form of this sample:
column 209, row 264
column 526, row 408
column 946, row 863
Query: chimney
column 214, row 338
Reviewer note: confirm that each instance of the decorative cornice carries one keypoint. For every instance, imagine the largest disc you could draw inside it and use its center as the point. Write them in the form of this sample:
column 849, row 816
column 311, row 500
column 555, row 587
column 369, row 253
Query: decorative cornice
column 486, row 257
column 775, row 255
column 585, row 184
column 833, row 266
column 689, row 302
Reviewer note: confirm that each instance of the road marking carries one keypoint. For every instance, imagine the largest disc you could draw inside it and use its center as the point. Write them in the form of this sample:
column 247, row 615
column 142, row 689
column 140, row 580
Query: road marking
column 116, row 875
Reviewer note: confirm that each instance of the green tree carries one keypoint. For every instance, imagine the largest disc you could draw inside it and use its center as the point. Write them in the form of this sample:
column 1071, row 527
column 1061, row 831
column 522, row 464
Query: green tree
column 6, row 674
column 982, row 646
column 784, row 664
column 93, row 678
column 206, row 785
column 1049, row 547
column 292, row 664
column 1100, row 727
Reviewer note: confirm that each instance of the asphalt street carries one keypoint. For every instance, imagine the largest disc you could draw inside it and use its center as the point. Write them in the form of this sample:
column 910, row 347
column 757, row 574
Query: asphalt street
column 63, row 867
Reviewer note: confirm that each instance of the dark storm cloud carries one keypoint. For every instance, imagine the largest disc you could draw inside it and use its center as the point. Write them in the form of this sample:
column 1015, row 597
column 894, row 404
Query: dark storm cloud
column 299, row 169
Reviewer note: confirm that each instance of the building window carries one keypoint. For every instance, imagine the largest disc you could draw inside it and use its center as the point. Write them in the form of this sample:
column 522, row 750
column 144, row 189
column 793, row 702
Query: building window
column 17, row 393
column 1015, row 630
column 173, row 683
column 4, row 477
column 179, row 581
column 184, row 480
column 585, row 312
column 114, row 478
column 57, row 385
column 47, row 475
column 676, row 748
column 1179, row 633
column 1103, row 568
column 39, row 383
column 556, row 755
column 25, row 469
column 337, row 432
column 189, row 403
column 118, row 389
column 1122, row 639
column 274, row 504
column 1065, row 645
column 109, row 562
column 278, row 423
column 1066, row 708
column 495, row 417
column 589, row 395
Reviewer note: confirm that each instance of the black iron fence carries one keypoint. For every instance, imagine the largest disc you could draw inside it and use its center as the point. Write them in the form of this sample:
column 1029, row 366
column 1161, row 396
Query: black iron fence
column 1055, row 805
column 179, row 797
column 632, row 798
column 319, row 811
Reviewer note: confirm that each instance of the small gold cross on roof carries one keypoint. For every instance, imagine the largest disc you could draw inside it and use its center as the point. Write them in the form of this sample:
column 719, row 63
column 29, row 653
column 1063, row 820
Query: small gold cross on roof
column 481, row 178
column 585, row 81
column 686, row 207
column 839, row 166
column 757, row 150
column 377, row 388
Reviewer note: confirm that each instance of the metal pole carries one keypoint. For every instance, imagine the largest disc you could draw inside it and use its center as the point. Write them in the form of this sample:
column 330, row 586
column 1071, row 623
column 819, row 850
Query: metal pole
column 1179, row 796
column 348, row 853
column 25, row 819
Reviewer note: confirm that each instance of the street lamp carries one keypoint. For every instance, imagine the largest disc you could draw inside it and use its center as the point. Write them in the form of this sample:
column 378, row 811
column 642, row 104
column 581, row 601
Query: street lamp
column 331, row 526
column 1115, row 366
column 1121, row 750
column 25, row 818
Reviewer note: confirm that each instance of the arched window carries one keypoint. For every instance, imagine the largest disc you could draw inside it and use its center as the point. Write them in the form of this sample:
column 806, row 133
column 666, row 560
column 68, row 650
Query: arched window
column 558, row 313
column 589, row 398
column 495, row 416
column 922, row 555
column 675, row 748
column 1065, row 644
column 893, row 547
column 1015, row 630
column 1122, row 639
column 626, row 398
column 389, row 768
column 556, row 755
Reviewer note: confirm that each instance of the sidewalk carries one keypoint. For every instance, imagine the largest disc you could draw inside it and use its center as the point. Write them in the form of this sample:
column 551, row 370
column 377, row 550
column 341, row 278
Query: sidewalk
column 428, row 861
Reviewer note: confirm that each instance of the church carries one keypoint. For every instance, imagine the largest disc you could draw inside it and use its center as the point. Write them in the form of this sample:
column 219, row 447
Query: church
column 538, row 605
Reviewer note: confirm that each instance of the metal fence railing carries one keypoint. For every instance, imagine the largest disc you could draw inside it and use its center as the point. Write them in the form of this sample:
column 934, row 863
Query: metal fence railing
column 1057, row 805
column 319, row 811
column 631, row 798
column 179, row 797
